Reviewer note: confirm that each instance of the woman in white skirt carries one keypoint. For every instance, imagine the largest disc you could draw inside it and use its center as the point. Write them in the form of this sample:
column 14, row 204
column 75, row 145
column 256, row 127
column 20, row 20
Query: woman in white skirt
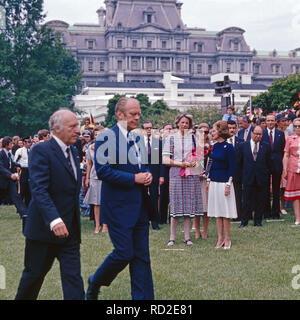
column 94, row 185
column 221, row 197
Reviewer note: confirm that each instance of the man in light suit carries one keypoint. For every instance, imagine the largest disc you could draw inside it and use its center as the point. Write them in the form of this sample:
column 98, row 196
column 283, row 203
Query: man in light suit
column 276, row 140
column 53, row 226
column 254, row 163
column 119, row 159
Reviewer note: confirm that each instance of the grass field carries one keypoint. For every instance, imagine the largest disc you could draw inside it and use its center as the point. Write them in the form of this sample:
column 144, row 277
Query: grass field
column 258, row 266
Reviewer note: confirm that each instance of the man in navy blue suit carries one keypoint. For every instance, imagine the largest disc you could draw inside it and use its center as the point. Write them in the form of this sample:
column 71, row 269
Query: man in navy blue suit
column 246, row 128
column 120, row 164
column 156, row 167
column 254, row 162
column 237, row 178
column 53, row 226
column 276, row 140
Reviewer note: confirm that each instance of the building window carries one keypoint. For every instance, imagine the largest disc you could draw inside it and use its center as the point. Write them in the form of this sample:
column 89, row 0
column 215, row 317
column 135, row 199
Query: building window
column 149, row 18
column 199, row 68
column 228, row 67
column 149, row 44
column 164, row 44
column 296, row 68
column 90, row 66
column 178, row 66
column 90, row 44
column 236, row 46
column 134, row 44
column 256, row 68
column 277, row 69
column 120, row 65
column 242, row 67
column 149, row 65
column 135, row 65
column 164, row 65
column 119, row 44
column 102, row 66
column 199, row 47
column 209, row 69
column 178, row 45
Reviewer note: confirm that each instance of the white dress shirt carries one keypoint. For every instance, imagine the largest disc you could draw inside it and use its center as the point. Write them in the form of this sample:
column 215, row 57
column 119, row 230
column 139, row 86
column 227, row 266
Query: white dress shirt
column 231, row 139
column 63, row 147
column 252, row 144
column 21, row 157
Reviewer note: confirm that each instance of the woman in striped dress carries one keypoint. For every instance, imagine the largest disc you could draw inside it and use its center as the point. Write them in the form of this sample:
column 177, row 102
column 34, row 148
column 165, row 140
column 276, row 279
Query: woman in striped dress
column 180, row 153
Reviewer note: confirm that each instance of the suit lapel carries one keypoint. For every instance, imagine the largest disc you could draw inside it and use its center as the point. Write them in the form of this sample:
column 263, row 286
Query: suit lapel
column 60, row 155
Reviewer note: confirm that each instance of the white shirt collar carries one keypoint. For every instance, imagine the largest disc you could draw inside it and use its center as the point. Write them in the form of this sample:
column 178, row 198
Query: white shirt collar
column 62, row 145
column 123, row 130
column 273, row 131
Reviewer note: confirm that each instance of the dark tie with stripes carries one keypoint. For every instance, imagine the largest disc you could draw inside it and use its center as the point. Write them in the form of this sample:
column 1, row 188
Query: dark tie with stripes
column 68, row 150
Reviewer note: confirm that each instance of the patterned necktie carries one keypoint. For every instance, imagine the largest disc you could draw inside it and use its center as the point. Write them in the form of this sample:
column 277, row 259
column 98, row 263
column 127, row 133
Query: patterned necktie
column 255, row 151
column 69, row 160
column 231, row 140
column 149, row 150
column 245, row 134
column 271, row 139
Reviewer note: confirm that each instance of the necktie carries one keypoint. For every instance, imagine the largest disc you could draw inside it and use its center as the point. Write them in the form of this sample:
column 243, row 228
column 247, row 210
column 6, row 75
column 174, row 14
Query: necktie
column 149, row 151
column 229, row 118
column 231, row 140
column 255, row 152
column 69, row 160
column 271, row 139
column 9, row 160
column 245, row 134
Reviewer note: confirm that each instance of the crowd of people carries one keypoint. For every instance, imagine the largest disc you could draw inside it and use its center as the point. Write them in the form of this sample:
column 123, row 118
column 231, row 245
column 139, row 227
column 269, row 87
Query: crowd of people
column 233, row 170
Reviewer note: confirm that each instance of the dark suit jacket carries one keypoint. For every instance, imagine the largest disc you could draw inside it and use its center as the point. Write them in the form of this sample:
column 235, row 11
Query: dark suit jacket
column 242, row 131
column 237, row 171
column 121, row 199
column 55, row 192
column 5, row 170
column 156, row 166
column 258, row 170
column 277, row 151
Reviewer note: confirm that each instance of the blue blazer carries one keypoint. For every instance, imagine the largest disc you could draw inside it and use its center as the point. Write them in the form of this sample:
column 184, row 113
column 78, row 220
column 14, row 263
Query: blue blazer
column 277, row 152
column 242, row 131
column 121, row 198
column 251, row 170
column 55, row 192
column 237, row 171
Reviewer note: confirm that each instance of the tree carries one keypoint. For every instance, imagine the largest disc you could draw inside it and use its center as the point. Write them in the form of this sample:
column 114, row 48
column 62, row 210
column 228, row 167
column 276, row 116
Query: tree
column 208, row 115
column 282, row 94
column 110, row 119
column 37, row 74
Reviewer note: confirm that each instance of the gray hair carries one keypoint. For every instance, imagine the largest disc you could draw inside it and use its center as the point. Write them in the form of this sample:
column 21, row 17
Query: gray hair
column 296, row 120
column 57, row 118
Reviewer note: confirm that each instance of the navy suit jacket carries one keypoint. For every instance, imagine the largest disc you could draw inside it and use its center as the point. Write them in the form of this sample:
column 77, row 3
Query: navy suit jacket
column 237, row 171
column 121, row 198
column 5, row 170
column 277, row 151
column 157, row 168
column 242, row 132
column 251, row 170
column 55, row 192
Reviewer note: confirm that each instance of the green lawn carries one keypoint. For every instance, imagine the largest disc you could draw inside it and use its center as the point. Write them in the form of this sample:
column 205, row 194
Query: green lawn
column 258, row 266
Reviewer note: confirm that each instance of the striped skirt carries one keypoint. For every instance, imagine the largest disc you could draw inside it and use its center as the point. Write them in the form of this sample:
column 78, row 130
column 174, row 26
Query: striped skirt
column 292, row 189
column 185, row 197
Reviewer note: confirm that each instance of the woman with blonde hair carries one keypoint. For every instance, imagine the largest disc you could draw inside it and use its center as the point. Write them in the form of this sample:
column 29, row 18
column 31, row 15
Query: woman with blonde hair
column 185, row 192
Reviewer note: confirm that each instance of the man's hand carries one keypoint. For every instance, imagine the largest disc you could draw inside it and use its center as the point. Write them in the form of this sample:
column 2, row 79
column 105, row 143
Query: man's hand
column 144, row 178
column 60, row 230
column 161, row 181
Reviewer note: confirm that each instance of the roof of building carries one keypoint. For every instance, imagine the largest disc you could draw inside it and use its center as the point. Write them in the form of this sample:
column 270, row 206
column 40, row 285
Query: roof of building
column 143, row 85
column 210, row 86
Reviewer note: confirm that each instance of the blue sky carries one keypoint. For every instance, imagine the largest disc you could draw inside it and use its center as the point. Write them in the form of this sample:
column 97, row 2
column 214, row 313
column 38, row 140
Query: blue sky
column 269, row 24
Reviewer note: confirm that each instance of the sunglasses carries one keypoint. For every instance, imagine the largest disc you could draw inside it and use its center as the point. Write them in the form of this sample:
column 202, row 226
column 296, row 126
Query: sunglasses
column 297, row 126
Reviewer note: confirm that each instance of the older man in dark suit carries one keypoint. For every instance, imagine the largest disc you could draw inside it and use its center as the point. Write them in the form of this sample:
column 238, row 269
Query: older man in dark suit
column 53, row 226
column 254, row 162
column 120, row 164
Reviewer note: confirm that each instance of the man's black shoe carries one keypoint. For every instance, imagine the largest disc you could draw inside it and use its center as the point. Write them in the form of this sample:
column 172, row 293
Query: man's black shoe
column 91, row 293
column 242, row 226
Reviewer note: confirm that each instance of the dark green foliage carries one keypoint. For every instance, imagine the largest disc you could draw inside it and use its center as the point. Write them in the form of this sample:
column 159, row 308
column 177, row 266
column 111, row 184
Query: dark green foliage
column 37, row 74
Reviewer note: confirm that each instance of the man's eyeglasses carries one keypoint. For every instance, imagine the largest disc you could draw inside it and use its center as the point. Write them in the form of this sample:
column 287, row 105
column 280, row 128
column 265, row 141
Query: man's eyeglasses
column 28, row 141
column 297, row 126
